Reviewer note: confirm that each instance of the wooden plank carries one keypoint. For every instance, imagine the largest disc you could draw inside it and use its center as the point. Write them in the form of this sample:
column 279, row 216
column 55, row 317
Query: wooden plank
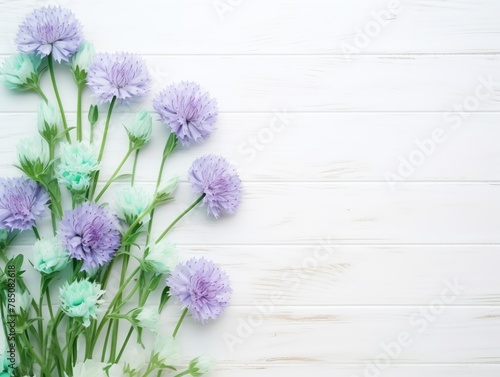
column 316, row 83
column 324, row 274
column 266, row 370
column 333, row 146
column 365, row 336
column 345, row 213
column 279, row 27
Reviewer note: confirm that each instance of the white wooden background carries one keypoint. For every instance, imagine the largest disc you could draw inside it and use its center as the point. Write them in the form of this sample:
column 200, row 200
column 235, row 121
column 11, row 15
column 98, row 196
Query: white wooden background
column 351, row 262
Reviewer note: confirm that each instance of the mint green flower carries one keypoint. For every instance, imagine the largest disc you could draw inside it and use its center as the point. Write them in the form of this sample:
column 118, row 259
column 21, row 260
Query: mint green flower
column 81, row 299
column 148, row 318
column 21, row 71
column 49, row 122
column 201, row 366
column 131, row 202
column 5, row 363
column 166, row 189
column 78, row 162
column 82, row 59
column 23, row 302
column 49, row 255
column 162, row 257
column 141, row 130
column 165, row 351
column 33, row 155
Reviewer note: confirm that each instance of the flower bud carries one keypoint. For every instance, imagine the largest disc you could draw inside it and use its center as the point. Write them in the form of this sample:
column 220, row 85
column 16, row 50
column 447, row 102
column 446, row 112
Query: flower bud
column 148, row 318
column 141, row 129
column 33, row 157
column 80, row 62
column 131, row 202
column 201, row 366
column 162, row 257
column 21, row 71
column 166, row 189
column 49, row 122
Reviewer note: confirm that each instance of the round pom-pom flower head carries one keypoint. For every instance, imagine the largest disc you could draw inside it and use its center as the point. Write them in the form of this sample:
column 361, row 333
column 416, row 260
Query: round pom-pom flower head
column 213, row 177
column 121, row 75
column 202, row 287
column 80, row 299
column 77, row 162
column 50, row 30
column 90, row 233
column 188, row 111
column 49, row 255
column 22, row 202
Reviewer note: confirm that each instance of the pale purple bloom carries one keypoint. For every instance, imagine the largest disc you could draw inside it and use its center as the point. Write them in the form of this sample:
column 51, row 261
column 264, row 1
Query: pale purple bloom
column 202, row 287
column 213, row 176
column 121, row 75
column 50, row 30
column 22, row 202
column 90, row 233
column 190, row 112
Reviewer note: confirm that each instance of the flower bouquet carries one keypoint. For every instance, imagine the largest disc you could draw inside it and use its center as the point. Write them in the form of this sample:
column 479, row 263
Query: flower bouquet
column 79, row 332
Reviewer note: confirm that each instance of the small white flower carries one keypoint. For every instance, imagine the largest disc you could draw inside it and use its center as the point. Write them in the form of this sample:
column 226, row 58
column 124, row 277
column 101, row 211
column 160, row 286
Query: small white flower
column 201, row 365
column 23, row 301
column 89, row 368
column 167, row 349
column 139, row 133
column 131, row 202
column 148, row 318
column 163, row 257
column 82, row 59
column 49, row 121
column 136, row 361
column 33, row 150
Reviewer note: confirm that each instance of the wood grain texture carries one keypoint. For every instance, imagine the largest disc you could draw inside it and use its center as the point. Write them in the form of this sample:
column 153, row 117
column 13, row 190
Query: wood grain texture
column 278, row 27
column 339, row 261
column 271, row 146
column 315, row 83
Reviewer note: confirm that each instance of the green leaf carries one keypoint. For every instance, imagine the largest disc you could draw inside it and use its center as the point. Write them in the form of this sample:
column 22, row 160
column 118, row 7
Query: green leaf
column 93, row 114
column 165, row 295
column 153, row 283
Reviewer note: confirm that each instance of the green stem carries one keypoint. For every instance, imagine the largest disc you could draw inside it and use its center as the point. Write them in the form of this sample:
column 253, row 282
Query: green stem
column 112, row 304
column 134, row 168
column 183, row 315
column 183, row 373
column 27, row 344
column 79, row 131
column 39, row 91
column 52, row 213
column 129, row 334
column 58, row 97
column 197, row 201
column 112, row 178
column 116, row 325
column 106, row 339
column 158, row 181
column 103, row 143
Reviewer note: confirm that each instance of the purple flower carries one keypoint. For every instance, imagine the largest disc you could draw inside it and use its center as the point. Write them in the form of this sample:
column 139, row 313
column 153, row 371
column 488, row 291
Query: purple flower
column 90, row 233
column 22, row 202
column 190, row 113
column 50, row 30
column 213, row 176
column 121, row 75
column 202, row 287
